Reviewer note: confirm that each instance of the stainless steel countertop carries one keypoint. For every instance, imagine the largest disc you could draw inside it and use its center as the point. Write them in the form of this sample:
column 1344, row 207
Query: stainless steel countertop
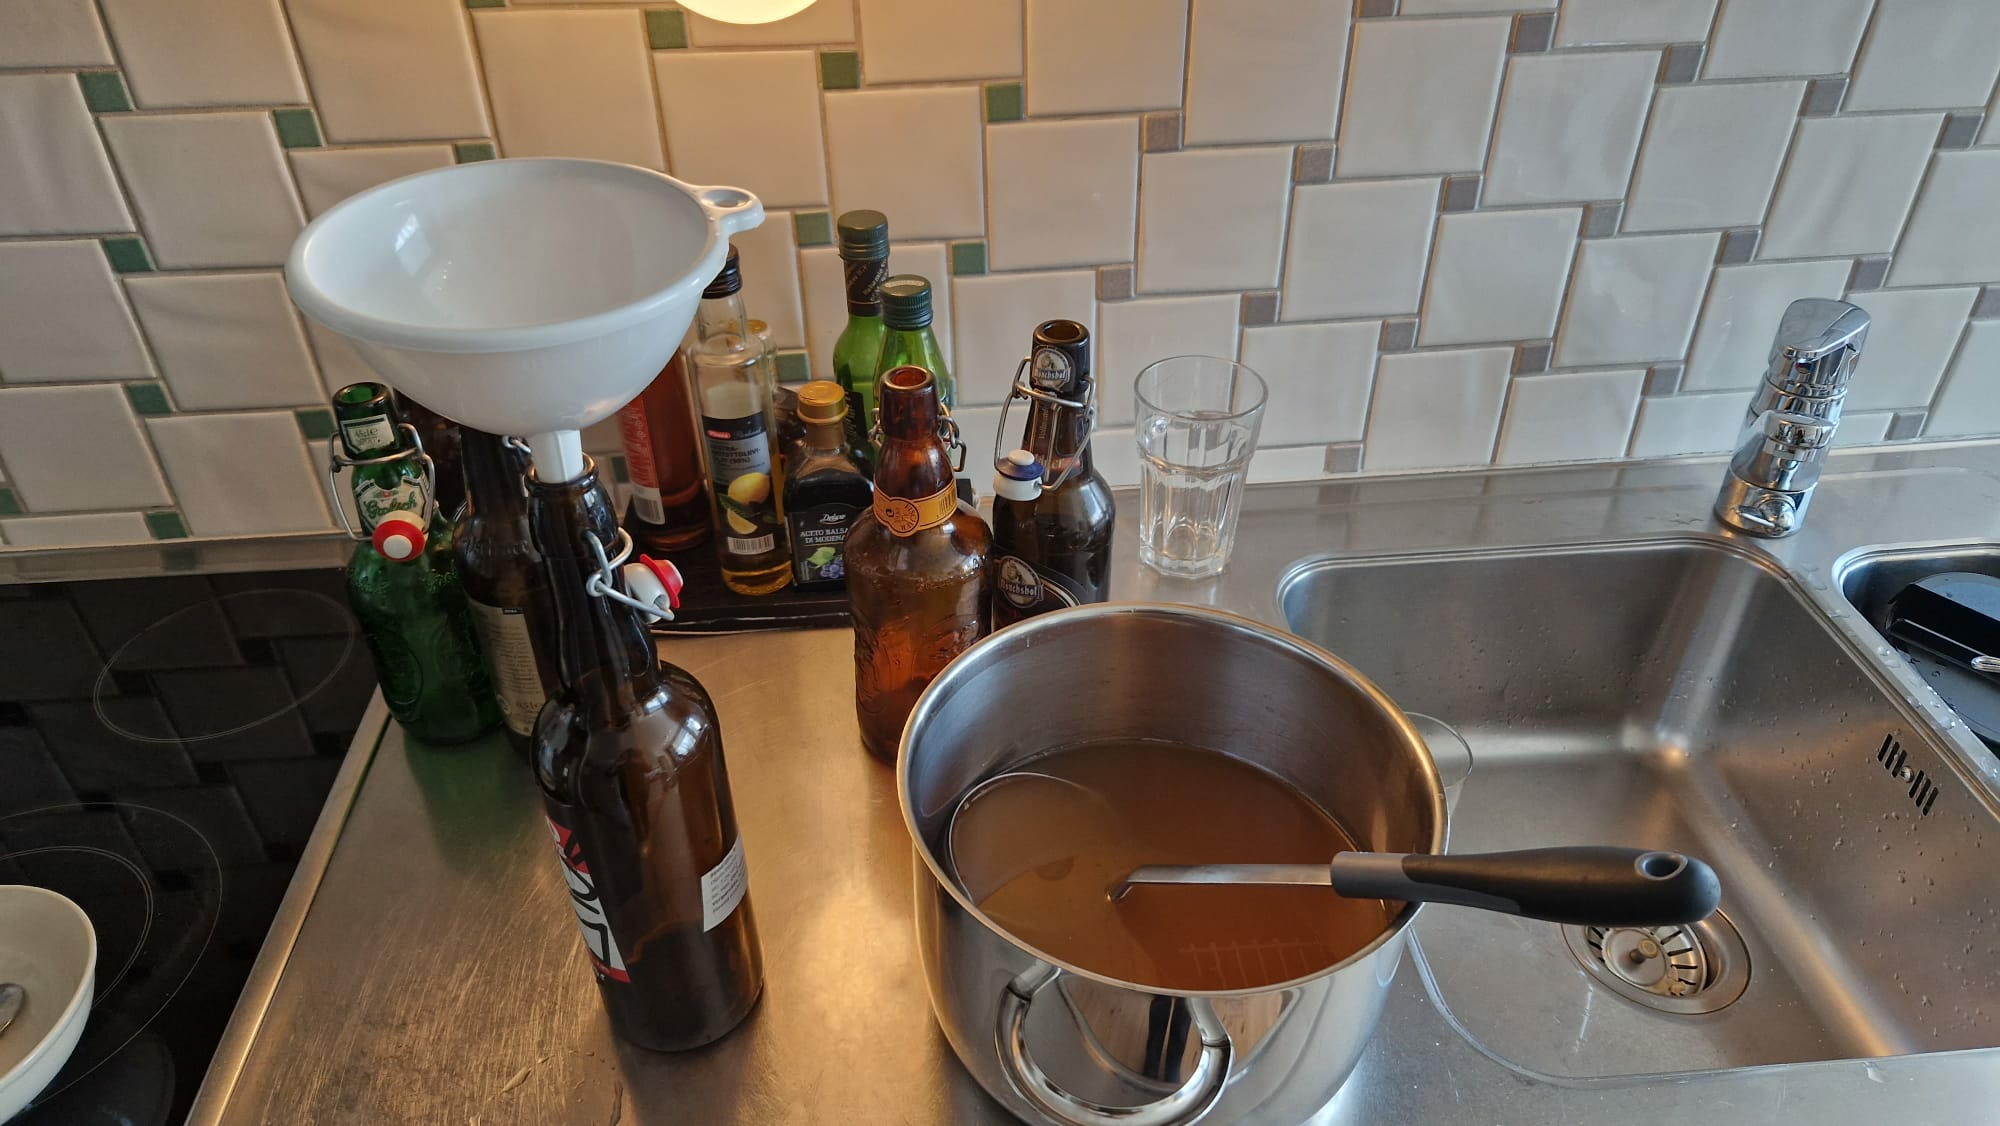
column 432, row 972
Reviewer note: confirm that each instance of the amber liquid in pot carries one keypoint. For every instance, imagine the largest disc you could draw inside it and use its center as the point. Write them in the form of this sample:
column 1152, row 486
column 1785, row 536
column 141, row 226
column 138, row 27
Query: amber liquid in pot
column 1040, row 857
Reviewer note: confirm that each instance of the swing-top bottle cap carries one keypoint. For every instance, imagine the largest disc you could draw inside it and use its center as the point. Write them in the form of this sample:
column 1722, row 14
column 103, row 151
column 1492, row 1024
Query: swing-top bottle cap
column 399, row 536
column 1018, row 476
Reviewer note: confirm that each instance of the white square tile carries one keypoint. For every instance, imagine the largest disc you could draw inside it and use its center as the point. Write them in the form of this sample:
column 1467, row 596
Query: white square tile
column 390, row 70
column 1589, row 22
column 1733, row 343
column 1864, row 429
column 1103, row 56
column 1928, row 54
column 1132, row 334
column 54, row 33
column 54, row 179
column 1970, row 400
column 868, row 134
column 339, row 364
column 979, row 429
column 227, row 341
column 1294, row 463
column 939, row 40
column 1911, row 335
column 1569, row 126
column 241, row 474
column 1672, row 425
column 770, row 262
column 571, row 83
column 63, row 317
column 1951, row 236
column 1436, row 409
column 999, row 313
column 1712, row 155
column 1385, row 224
column 1634, row 299
column 76, row 447
column 1570, row 416
column 1213, row 218
column 91, row 528
column 1085, row 216
column 1421, row 96
column 211, row 188
column 1319, row 377
column 770, row 144
column 825, row 294
column 327, row 176
column 823, row 21
column 1116, row 451
column 1265, row 70
column 1456, row 7
column 1784, row 37
column 244, row 52
column 1498, row 275
column 1848, row 185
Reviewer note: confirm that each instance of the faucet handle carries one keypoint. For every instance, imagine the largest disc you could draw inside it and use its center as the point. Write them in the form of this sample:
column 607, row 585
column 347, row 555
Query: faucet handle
column 1818, row 343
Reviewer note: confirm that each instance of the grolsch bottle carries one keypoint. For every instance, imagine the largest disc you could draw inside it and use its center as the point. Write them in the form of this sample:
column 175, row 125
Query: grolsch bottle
column 401, row 583
column 628, row 755
column 506, row 584
column 916, row 564
column 825, row 490
column 864, row 260
column 727, row 365
column 1052, row 524
column 669, row 509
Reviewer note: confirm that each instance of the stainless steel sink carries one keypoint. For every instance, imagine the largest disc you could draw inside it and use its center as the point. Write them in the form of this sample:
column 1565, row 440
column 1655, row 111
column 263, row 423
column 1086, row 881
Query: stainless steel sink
column 1682, row 694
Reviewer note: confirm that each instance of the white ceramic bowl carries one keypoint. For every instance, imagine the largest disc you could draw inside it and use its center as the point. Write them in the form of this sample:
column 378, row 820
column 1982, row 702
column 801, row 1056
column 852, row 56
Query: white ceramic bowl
column 518, row 296
column 47, row 947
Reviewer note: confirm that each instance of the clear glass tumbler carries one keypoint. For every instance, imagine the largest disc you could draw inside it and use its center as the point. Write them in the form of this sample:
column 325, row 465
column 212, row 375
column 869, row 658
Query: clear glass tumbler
column 1196, row 426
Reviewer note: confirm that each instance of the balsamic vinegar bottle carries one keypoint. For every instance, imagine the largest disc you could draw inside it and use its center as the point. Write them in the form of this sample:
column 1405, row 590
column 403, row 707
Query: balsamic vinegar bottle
column 629, row 757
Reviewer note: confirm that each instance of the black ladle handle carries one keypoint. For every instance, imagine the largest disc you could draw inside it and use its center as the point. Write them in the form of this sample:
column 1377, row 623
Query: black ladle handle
column 1586, row 885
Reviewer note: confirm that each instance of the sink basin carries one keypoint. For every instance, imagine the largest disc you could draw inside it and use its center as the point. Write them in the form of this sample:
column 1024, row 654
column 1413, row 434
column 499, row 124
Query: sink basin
column 1681, row 694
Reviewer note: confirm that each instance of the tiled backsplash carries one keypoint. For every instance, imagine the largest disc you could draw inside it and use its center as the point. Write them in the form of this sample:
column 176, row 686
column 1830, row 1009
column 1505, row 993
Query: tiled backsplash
column 1448, row 232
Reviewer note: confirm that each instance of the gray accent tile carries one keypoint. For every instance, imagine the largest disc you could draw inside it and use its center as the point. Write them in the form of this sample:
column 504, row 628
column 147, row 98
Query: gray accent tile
column 1533, row 32
column 1737, row 246
column 1114, row 283
column 1681, row 63
column 1374, row 9
column 1823, row 96
column 1601, row 219
column 1163, row 132
column 1960, row 129
column 1532, row 358
column 1906, row 424
column 1312, row 164
column 1399, row 334
column 1662, row 379
column 1868, row 272
column 1461, row 193
column 1260, row 307
column 1343, row 457
column 1988, row 306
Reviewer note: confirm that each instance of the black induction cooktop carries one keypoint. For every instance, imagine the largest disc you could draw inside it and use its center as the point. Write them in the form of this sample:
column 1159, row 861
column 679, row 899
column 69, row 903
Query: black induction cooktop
column 166, row 744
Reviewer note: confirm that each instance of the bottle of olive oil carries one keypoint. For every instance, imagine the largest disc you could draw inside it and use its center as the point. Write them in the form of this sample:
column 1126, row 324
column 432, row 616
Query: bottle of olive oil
column 726, row 364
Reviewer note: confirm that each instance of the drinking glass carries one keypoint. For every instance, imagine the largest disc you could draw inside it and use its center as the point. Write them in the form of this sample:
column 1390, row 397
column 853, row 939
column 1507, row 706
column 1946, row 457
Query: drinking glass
column 1196, row 426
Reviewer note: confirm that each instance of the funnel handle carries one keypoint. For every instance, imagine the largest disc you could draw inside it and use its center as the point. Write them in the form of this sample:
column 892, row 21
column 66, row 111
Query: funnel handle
column 730, row 209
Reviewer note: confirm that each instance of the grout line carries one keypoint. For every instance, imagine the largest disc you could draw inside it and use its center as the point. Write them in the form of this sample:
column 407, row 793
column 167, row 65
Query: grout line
column 1951, row 362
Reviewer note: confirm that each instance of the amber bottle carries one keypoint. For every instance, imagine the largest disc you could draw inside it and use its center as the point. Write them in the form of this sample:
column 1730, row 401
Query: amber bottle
column 916, row 563
column 669, row 509
column 629, row 757
column 505, row 582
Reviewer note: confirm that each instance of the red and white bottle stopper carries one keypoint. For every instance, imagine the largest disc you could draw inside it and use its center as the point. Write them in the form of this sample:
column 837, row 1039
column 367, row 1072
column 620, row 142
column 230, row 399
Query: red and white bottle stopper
column 655, row 582
column 399, row 536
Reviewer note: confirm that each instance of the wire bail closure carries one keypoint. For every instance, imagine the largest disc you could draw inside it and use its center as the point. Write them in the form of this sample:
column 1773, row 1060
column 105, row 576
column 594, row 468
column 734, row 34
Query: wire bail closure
column 1023, row 389
column 335, row 460
column 954, row 439
column 604, row 584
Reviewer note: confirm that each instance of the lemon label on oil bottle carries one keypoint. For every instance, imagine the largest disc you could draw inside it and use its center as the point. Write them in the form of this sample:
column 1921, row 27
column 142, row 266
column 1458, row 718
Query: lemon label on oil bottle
column 739, row 459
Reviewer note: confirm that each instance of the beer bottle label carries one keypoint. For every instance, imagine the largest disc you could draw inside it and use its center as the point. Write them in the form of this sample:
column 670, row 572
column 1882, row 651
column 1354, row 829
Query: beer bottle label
column 1022, row 590
column 365, row 434
column 375, row 500
column 510, row 657
column 905, row 517
column 598, row 940
column 722, row 887
column 819, row 536
column 637, row 436
column 739, row 459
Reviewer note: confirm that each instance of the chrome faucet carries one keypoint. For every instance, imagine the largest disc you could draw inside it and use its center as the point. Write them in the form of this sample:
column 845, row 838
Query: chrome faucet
column 1792, row 418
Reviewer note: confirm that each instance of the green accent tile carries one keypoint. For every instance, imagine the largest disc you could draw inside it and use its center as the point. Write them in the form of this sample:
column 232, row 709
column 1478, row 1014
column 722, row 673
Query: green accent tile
column 1004, row 102
column 813, row 228
column 315, row 422
column 148, row 398
column 466, row 152
column 839, row 70
column 794, row 367
column 104, row 91
column 8, row 505
column 485, row 3
column 967, row 259
column 127, row 255
column 619, row 471
column 297, row 128
column 166, row 525
column 666, row 29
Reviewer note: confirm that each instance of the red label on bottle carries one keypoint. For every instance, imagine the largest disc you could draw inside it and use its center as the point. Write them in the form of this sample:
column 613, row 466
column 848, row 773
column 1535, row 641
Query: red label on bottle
column 638, row 438
column 597, row 938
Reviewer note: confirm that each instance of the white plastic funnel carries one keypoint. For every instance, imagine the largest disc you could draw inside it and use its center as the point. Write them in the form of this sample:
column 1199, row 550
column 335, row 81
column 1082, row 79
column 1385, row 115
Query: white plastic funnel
column 525, row 297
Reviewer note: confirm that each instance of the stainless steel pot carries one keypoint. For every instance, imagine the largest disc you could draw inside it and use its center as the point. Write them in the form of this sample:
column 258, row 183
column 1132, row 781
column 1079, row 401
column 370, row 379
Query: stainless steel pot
column 1057, row 1043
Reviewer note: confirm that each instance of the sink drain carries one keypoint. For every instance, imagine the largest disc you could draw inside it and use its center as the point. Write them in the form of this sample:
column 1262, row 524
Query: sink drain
column 1682, row 968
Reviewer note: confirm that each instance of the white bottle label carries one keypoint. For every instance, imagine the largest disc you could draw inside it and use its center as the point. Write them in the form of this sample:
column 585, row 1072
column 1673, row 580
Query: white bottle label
column 597, row 939
column 372, row 433
column 510, row 657
column 722, row 887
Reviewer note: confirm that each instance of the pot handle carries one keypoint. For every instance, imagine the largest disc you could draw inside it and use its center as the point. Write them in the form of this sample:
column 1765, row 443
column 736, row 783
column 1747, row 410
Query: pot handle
column 1188, row 1104
column 732, row 210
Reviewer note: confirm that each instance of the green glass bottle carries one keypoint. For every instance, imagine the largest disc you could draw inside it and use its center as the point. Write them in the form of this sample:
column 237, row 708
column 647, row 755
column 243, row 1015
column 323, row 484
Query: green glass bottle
column 864, row 258
column 402, row 585
column 906, row 313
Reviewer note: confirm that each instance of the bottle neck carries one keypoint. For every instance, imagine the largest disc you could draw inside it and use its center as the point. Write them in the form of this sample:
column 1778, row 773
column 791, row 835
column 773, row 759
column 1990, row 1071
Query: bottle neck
column 608, row 664
column 864, row 285
column 827, row 437
column 493, row 483
column 914, row 462
column 721, row 316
